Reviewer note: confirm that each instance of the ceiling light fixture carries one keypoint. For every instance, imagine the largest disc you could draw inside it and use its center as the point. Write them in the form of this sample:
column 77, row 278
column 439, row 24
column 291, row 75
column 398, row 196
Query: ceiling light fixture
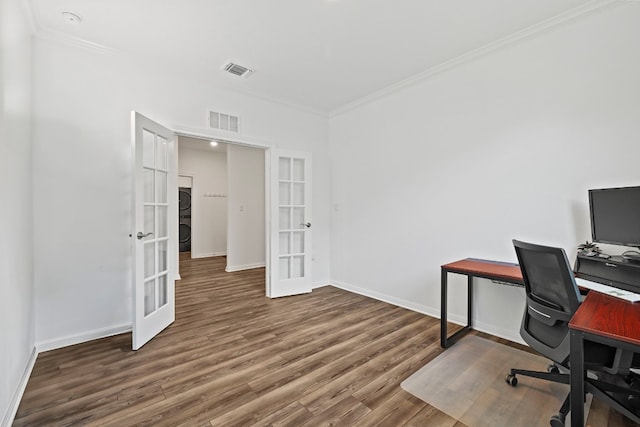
column 213, row 143
column 72, row 18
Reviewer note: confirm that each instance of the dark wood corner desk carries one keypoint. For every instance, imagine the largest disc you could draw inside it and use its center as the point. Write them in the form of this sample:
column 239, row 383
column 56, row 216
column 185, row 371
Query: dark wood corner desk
column 472, row 267
column 599, row 318
column 605, row 319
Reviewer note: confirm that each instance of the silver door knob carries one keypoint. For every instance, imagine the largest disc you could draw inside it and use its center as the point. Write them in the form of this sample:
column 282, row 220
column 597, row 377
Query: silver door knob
column 308, row 225
column 141, row 236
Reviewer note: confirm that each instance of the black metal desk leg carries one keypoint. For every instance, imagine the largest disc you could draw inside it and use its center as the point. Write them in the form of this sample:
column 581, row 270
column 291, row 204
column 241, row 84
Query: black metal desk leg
column 469, row 300
column 443, row 308
column 577, row 378
column 447, row 341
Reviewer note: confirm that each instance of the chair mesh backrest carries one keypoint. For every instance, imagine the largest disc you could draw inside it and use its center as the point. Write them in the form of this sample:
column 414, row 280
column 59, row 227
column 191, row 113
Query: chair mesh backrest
column 552, row 297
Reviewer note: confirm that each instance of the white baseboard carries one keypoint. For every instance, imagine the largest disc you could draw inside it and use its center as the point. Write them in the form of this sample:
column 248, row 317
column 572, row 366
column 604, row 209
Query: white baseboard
column 492, row 329
column 12, row 410
column 56, row 343
column 430, row 311
column 320, row 284
column 208, row 255
column 232, row 268
column 53, row 344
column 409, row 305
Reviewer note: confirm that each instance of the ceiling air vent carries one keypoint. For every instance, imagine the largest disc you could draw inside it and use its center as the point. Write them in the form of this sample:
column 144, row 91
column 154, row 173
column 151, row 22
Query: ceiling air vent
column 237, row 70
column 224, row 121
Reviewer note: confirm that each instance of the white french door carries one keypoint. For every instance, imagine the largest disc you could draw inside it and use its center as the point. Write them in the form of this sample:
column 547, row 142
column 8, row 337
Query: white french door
column 154, row 240
column 290, row 211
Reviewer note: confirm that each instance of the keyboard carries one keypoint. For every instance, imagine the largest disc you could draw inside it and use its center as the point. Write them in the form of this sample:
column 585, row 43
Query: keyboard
column 608, row 290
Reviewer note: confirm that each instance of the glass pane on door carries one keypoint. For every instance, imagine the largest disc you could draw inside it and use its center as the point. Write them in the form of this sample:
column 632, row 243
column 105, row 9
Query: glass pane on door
column 163, row 256
column 298, row 218
column 298, row 194
column 284, row 243
column 298, row 170
column 161, row 187
column 161, row 150
column 162, row 290
column 285, row 168
column 283, row 268
column 149, row 260
column 149, row 186
column 285, row 193
column 297, row 266
column 148, row 149
column 149, row 297
column 162, row 221
column 297, row 245
column 149, row 221
column 285, row 218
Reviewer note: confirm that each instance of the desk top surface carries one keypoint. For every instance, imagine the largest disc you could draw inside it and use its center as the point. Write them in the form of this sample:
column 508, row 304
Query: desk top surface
column 506, row 271
column 608, row 316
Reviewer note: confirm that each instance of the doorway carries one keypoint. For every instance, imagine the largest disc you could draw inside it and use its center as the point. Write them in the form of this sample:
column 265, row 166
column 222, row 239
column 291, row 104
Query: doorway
column 221, row 188
column 283, row 210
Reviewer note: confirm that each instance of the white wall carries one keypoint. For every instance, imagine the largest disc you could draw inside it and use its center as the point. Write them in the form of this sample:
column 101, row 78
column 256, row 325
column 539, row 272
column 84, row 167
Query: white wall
column 82, row 179
column 208, row 200
column 16, row 237
column 499, row 148
column 246, row 235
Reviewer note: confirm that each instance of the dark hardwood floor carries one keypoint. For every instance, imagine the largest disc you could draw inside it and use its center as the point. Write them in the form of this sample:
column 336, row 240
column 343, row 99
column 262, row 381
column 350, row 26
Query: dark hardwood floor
column 236, row 358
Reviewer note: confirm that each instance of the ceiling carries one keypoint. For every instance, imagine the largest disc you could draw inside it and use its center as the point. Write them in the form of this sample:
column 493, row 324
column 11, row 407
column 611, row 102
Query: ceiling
column 320, row 55
column 200, row 144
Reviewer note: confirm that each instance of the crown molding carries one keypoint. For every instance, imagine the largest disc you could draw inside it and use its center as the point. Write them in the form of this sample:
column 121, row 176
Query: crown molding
column 593, row 5
column 469, row 56
column 58, row 36
column 72, row 41
column 66, row 39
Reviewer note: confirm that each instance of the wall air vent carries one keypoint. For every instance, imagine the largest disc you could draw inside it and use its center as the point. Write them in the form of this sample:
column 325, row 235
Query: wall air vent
column 237, row 70
column 224, row 121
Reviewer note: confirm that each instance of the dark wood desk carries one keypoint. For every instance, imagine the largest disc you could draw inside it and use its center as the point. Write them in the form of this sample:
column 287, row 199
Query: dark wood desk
column 472, row 267
column 603, row 319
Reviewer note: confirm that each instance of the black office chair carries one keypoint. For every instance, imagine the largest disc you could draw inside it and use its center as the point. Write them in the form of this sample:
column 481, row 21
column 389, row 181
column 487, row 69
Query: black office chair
column 552, row 297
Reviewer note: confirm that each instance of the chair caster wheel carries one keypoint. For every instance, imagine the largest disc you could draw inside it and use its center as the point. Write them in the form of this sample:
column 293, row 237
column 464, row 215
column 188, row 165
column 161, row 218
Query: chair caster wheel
column 557, row 421
column 634, row 402
column 553, row 369
column 511, row 380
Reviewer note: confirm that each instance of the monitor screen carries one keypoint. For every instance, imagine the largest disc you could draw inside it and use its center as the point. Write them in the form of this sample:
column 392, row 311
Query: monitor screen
column 615, row 215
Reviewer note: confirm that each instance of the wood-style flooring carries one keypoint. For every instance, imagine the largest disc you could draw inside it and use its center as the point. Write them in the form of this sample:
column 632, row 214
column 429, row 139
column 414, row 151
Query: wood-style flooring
column 236, row 358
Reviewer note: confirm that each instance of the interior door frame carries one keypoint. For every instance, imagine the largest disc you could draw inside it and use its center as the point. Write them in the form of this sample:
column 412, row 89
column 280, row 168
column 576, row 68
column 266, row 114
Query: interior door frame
column 236, row 140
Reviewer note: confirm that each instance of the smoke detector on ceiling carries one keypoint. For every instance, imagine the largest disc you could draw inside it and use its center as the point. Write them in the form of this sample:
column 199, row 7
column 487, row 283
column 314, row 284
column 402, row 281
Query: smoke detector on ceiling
column 237, row 69
column 72, row 18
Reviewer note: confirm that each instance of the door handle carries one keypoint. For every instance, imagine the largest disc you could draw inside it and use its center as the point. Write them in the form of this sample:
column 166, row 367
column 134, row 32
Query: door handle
column 308, row 225
column 141, row 236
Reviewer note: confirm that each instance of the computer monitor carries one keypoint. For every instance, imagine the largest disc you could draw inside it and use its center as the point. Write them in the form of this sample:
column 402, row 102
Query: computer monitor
column 615, row 215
